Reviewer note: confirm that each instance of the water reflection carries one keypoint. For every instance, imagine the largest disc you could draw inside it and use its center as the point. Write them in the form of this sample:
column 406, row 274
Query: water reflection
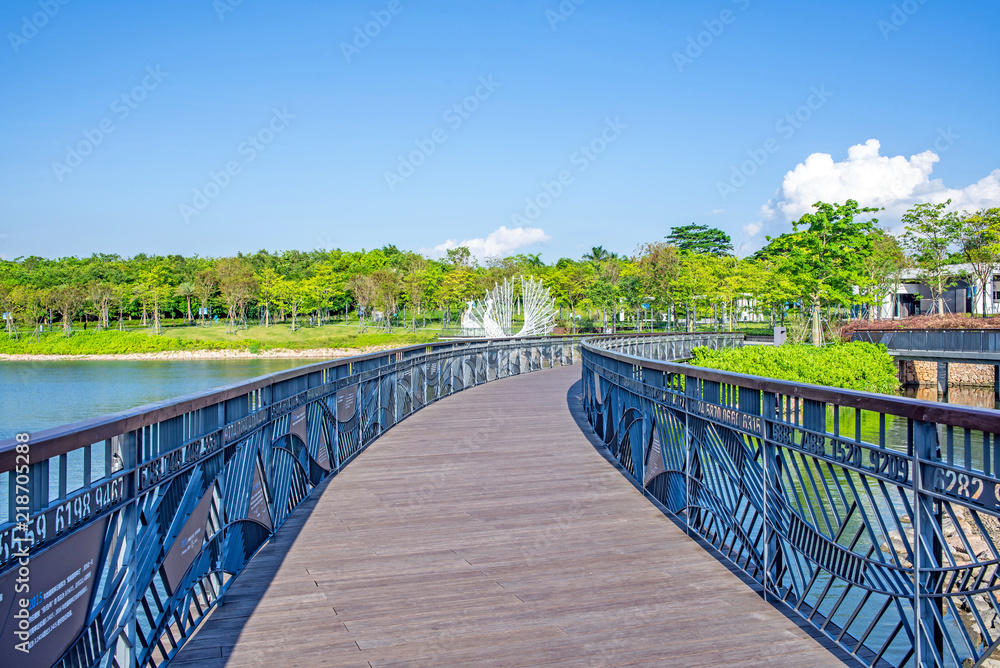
column 979, row 397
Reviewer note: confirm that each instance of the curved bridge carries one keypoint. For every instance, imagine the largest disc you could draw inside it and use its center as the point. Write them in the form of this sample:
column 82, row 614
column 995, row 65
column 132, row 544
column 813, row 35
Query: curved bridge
column 487, row 529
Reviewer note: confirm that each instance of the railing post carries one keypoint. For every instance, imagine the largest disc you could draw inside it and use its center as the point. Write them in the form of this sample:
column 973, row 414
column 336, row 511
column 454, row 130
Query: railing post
column 688, row 451
column 929, row 641
column 772, row 478
column 130, row 460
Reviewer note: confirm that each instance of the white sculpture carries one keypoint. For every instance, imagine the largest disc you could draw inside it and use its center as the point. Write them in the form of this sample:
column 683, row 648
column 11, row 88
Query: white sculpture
column 493, row 317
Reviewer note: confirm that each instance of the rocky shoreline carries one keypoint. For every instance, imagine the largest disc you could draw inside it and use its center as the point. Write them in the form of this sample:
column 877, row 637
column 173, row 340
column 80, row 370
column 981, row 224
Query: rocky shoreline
column 178, row 355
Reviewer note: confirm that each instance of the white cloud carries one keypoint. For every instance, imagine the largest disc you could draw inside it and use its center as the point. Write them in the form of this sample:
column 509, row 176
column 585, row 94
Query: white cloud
column 896, row 183
column 715, row 212
column 502, row 241
column 752, row 229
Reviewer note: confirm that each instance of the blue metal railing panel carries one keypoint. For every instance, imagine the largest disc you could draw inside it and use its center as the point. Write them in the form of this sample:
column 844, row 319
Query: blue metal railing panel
column 971, row 342
column 178, row 496
column 873, row 517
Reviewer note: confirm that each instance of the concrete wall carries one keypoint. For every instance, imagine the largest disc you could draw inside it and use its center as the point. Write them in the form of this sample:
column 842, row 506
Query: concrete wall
column 926, row 373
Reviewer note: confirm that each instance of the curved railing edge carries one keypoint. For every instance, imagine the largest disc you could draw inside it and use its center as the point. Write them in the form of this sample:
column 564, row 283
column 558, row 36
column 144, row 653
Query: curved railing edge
column 957, row 579
column 55, row 441
column 971, row 417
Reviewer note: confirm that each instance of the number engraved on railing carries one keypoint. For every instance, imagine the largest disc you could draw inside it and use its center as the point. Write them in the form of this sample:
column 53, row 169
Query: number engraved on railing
column 782, row 434
column 724, row 414
column 813, row 444
column 176, row 460
column 61, row 518
column 966, row 487
column 847, row 453
column 236, row 430
column 889, row 465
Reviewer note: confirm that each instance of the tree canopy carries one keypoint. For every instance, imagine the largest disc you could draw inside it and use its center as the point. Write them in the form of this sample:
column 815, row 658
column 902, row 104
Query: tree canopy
column 696, row 238
column 835, row 257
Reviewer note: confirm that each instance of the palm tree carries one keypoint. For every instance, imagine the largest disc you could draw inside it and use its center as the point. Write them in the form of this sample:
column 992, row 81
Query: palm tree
column 188, row 290
column 597, row 255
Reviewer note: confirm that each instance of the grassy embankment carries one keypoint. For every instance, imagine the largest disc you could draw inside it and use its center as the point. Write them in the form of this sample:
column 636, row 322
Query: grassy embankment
column 856, row 366
column 212, row 337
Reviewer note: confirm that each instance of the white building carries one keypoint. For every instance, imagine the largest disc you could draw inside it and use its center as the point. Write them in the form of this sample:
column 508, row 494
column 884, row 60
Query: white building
column 914, row 297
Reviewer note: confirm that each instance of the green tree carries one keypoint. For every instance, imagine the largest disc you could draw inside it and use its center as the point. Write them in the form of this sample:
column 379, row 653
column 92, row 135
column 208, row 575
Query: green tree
column 100, row 295
column 66, row 300
column 603, row 291
column 205, row 285
column 696, row 238
column 931, row 235
column 823, row 256
column 27, row 304
column 269, row 286
column 187, row 290
column 387, row 290
column 597, row 255
column 237, row 285
column 659, row 265
column 290, row 295
column 459, row 257
column 979, row 239
column 326, row 288
column 694, row 285
column 457, row 287
column 364, row 291
column 156, row 289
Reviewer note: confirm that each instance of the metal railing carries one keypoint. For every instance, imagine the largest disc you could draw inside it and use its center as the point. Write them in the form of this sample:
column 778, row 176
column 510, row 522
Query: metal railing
column 874, row 517
column 961, row 343
column 129, row 528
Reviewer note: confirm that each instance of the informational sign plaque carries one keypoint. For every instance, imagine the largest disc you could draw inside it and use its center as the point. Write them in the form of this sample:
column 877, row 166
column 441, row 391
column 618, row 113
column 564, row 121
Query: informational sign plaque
column 346, row 400
column 299, row 424
column 60, row 584
column 258, row 509
column 323, row 453
column 188, row 544
column 654, row 463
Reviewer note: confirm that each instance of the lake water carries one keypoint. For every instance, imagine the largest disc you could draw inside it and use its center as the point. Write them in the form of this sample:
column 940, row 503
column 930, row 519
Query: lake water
column 38, row 395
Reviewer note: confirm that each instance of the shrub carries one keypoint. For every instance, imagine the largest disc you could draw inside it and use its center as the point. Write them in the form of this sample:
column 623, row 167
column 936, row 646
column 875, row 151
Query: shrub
column 855, row 366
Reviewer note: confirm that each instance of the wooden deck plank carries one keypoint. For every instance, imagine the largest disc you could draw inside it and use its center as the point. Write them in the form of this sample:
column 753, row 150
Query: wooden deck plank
column 485, row 530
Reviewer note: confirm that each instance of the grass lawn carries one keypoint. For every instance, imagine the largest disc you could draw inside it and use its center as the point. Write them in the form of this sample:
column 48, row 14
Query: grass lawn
column 211, row 337
column 281, row 336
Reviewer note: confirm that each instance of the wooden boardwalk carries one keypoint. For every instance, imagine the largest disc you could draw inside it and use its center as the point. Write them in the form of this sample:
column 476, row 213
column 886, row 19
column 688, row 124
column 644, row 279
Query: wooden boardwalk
column 486, row 530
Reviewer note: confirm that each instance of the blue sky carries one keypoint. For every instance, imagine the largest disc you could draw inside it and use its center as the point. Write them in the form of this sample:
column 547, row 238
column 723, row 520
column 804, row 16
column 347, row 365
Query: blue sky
column 203, row 127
